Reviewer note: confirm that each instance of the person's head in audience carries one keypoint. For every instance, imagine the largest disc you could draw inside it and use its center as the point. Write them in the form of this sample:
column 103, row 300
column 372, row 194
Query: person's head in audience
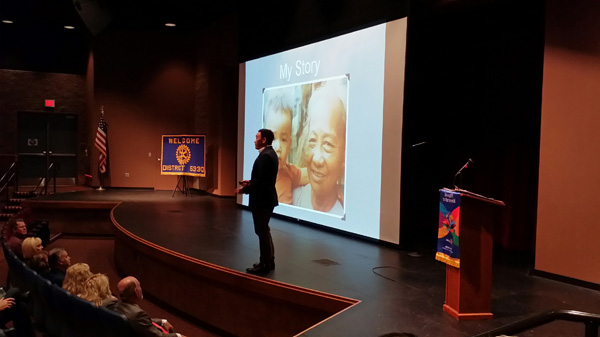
column 130, row 290
column 39, row 263
column 96, row 289
column 31, row 247
column 18, row 228
column 58, row 258
column 75, row 277
column 325, row 149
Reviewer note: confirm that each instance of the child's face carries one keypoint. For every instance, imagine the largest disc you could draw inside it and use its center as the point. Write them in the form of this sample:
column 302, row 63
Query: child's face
column 281, row 124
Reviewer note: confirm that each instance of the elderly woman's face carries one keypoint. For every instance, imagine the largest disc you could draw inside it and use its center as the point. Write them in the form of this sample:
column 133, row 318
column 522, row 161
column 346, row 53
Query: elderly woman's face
column 325, row 150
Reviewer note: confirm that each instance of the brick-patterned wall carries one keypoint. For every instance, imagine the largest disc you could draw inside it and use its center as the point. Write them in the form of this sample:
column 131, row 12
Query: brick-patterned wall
column 26, row 91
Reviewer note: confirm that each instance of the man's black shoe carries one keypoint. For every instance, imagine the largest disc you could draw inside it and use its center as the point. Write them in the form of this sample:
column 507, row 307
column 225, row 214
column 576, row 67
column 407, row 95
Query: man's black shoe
column 259, row 269
column 270, row 265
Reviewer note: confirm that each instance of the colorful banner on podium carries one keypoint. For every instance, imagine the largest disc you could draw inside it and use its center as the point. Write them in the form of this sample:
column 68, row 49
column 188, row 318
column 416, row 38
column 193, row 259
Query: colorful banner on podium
column 449, row 219
column 183, row 155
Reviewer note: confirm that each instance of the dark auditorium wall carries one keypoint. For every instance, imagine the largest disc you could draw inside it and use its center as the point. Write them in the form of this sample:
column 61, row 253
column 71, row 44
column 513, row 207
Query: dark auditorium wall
column 158, row 82
column 569, row 178
column 26, row 90
column 215, row 109
column 473, row 90
column 145, row 81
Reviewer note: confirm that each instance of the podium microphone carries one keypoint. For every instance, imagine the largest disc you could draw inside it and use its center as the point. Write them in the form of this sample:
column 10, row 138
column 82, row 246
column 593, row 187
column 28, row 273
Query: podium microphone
column 469, row 162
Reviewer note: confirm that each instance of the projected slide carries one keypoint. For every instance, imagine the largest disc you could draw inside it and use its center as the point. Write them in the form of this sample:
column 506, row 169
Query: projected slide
column 335, row 108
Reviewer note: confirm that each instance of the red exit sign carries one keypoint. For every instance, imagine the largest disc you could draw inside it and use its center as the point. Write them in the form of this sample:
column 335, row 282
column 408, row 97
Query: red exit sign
column 49, row 103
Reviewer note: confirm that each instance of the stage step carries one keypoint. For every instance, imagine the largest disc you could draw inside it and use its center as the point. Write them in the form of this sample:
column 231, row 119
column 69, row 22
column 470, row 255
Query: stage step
column 11, row 209
column 24, row 194
column 15, row 201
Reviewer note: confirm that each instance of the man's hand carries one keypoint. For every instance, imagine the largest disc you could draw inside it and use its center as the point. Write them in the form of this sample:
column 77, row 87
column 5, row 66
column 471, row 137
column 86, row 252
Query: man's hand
column 168, row 326
column 6, row 303
column 243, row 184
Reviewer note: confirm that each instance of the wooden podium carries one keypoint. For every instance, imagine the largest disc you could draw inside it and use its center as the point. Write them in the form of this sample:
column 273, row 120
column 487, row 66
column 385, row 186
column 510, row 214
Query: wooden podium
column 468, row 288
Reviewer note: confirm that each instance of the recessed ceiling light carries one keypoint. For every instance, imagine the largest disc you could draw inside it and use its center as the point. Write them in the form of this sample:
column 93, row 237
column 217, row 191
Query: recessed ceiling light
column 69, row 27
column 170, row 24
column 7, row 21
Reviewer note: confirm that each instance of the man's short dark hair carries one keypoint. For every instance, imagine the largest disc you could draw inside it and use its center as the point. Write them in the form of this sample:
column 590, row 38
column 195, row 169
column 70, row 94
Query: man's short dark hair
column 268, row 135
column 14, row 223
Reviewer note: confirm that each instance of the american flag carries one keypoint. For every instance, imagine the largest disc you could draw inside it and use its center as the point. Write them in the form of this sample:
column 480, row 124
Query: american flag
column 101, row 143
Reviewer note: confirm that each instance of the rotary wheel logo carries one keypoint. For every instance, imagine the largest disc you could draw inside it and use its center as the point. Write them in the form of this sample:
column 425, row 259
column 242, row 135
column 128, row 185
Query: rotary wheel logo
column 183, row 154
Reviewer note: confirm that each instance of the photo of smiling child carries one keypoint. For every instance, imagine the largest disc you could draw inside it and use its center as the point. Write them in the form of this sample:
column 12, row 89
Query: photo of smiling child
column 278, row 115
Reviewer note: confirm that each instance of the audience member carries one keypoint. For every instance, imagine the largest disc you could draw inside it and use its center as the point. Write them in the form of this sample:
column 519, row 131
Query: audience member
column 15, row 310
column 130, row 292
column 96, row 289
column 39, row 263
column 18, row 232
column 59, row 260
column 75, row 277
column 31, row 247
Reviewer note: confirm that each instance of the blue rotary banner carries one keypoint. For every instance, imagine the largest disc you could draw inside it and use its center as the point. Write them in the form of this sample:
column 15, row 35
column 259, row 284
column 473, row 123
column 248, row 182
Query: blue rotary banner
column 183, row 155
column 448, row 234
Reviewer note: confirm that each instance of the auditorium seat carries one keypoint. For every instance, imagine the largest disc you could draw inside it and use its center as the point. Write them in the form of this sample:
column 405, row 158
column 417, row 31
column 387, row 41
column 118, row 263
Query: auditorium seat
column 36, row 301
column 48, row 318
column 83, row 319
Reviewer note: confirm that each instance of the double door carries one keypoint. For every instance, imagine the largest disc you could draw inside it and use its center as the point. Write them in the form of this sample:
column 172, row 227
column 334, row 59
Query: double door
column 46, row 138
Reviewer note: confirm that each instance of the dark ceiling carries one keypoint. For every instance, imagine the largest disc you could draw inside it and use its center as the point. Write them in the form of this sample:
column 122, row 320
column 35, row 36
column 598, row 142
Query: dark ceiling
column 38, row 41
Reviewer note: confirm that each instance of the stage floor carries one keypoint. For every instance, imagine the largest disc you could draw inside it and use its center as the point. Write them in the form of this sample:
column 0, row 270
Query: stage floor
column 399, row 293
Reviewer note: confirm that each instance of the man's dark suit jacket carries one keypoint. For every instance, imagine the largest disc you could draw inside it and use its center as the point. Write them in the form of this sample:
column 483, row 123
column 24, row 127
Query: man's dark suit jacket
column 15, row 243
column 139, row 320
column 261, row 188
column 56, row 276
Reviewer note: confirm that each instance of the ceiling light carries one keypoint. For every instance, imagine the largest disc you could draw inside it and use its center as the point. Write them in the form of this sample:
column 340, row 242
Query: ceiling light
column 69, row 27
column 7, row 21
column 170, row 24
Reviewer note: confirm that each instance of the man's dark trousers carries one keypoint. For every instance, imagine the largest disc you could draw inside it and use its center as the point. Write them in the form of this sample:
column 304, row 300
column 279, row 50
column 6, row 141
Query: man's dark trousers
column 261, row 217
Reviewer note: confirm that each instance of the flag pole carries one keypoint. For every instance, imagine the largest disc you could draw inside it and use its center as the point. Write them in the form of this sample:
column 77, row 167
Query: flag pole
column 101, row 175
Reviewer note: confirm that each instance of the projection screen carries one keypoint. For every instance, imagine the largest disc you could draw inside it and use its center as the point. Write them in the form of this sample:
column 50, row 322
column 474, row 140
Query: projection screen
column 335, row 107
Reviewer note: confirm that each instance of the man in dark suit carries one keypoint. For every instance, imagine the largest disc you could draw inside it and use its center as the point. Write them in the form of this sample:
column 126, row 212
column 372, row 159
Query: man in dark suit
column 263, row 198
column 131, row 295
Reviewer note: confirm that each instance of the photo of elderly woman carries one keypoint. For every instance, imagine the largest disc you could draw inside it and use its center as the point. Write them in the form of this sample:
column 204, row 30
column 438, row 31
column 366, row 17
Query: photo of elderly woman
column 324, row 149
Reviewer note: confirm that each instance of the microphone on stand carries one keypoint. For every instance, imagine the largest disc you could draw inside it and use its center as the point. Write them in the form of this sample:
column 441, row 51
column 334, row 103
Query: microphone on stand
column 469, row 162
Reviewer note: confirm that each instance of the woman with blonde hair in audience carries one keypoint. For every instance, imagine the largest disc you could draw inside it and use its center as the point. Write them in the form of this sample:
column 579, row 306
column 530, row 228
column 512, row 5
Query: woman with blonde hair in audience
column 31, row 247
column 96, row 289
column 75, row 278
